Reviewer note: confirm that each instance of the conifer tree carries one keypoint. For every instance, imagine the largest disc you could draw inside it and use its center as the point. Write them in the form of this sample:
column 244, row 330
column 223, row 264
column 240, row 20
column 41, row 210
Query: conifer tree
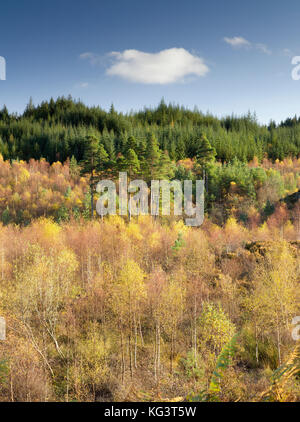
column 130, row 145
column 74, row 166
column 94, row 162
column 132, row 163
column 153, row 155
column 180, row 149
column 166, row 167
column 205, row 154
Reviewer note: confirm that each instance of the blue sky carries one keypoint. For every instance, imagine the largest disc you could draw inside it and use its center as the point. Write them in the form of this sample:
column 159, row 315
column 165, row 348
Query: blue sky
column 64, row 47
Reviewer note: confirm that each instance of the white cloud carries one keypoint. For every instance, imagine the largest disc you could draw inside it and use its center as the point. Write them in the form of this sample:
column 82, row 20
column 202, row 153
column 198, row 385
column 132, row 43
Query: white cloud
column 91, row 57
column 263, row 48
column 237, row 42
column 240, row 42
column 164, row 67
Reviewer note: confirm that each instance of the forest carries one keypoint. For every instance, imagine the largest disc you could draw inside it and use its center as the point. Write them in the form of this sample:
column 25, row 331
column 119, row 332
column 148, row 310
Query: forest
column 144, row 308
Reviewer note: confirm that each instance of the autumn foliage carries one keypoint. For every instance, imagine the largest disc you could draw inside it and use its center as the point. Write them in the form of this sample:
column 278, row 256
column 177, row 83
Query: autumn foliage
column 109, row 310
column 112, row 309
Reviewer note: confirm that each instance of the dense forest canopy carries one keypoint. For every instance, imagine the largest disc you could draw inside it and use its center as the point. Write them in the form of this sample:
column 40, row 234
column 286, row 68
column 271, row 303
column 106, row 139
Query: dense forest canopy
column 56, row 130
column 248, row 167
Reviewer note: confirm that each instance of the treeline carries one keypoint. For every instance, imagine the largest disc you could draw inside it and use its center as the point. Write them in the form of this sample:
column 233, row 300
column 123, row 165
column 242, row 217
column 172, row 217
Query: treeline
column 56, row 130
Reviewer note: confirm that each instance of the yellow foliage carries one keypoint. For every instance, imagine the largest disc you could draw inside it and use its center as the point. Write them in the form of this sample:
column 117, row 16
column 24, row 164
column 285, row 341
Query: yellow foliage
column 179, row 227
column 24, row 175
column 154, row 239
column 116, row 220
column 133, row 231
column 50, row 231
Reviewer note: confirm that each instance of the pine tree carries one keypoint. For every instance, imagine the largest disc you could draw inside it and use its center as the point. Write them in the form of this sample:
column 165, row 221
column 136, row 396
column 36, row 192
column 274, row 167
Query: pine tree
column 103, row 160
column 153, row 155
column 205, row 152
column 132, row 163
column 141, row 153
column 74, row 168
column 130, row 145
column 180, row 149
column 93, row 164
column 166, row 167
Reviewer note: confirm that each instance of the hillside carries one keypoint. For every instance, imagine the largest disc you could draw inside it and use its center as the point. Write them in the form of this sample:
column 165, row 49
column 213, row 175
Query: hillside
column 144, row 308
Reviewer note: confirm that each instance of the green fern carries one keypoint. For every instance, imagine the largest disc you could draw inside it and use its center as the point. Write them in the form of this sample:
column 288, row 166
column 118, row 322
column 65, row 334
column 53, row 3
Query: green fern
column 280, row 377
column 223, row 363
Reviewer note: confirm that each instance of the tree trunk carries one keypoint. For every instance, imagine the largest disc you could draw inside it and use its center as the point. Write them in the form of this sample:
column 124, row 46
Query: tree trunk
column 141, row 333
column 130, row 355
column 278, row 342
column 122, row 358
column 172, row 352
column 195, row 332
column 256, row 343
column 135, row 342
column 157, row 352
column 92, row 201
column 158, row 348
